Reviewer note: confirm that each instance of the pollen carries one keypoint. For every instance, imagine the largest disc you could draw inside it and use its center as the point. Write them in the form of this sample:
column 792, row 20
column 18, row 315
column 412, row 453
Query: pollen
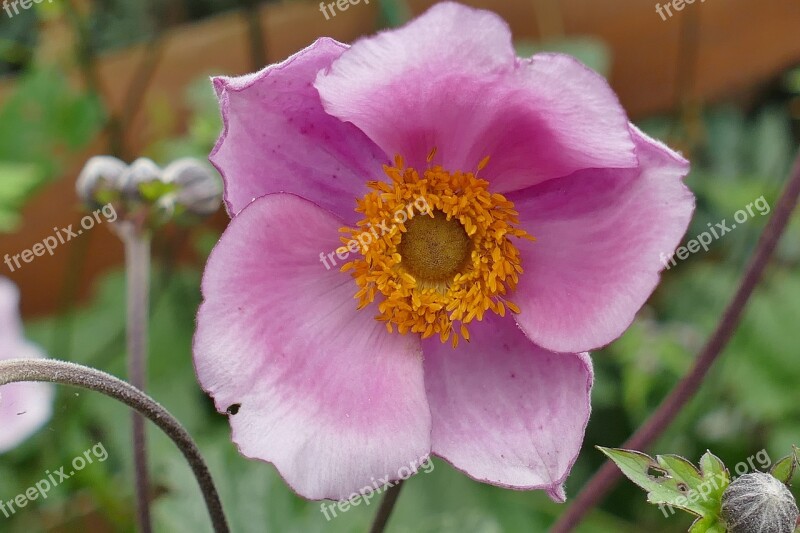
column 436, row 251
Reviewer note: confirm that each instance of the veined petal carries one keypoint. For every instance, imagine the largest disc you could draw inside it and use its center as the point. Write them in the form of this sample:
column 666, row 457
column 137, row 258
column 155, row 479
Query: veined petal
column 277, row 137
column 450, row 80
column 403, row 87
column 602, row 237
column 506, row 411
column 321, row 389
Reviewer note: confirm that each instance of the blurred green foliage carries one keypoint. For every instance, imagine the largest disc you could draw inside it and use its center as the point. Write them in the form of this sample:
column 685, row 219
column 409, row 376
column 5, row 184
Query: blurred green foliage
column 42, row 122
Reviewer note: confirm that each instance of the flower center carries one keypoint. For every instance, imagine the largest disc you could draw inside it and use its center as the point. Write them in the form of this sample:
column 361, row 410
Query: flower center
column 443, row 256
column 434, row 248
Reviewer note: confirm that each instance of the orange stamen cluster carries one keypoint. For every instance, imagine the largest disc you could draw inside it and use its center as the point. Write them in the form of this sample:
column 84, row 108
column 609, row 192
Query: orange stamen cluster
column 487, row 264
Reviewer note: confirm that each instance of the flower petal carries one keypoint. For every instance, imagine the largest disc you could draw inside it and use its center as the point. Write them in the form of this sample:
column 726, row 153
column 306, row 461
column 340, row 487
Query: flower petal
column 506, row 411
column 10, row 323
column 601, row 240
column 470, row 97
column 323, row 391
column 277, row 137
column 403, row 87
column 24, row 407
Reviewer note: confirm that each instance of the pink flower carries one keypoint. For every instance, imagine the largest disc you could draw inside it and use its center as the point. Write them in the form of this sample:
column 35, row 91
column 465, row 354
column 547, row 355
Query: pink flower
column 24, row 407
column 548, row 213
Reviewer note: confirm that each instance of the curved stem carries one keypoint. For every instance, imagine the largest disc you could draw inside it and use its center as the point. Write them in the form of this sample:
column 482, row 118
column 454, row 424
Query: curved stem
column 603, row 480
column 386, row 508
column 64, row 373
column 137, row 267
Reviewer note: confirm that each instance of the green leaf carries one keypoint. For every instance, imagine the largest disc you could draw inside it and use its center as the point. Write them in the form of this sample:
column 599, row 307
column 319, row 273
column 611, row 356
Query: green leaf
column 673, row 481
column 45, row 120
column 17, row 182
column 784, row 469
column 708, row 524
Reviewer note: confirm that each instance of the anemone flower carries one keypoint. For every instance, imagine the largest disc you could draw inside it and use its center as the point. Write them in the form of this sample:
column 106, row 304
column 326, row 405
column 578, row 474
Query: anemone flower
column 24, row 407
column 428, row 234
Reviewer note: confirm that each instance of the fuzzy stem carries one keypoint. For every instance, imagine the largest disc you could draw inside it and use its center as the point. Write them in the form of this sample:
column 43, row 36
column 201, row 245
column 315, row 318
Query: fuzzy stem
column 605, row 478
column 64, row 373
column 137, row 262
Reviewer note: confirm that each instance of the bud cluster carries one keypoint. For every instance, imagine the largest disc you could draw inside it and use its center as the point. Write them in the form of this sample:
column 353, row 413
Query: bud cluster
column 144, row 193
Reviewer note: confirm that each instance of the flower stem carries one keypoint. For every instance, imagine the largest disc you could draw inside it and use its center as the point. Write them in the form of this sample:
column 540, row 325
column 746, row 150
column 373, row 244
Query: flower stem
column 605, row 478
column 64, row 373
column 137, row 259
column 386, row 508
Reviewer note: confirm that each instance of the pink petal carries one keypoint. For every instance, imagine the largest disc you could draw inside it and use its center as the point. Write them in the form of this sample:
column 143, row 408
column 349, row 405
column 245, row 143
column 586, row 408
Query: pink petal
column 277, row 137
column 451, row 80
column 10, row 323
column 325, row 393
column 24, row 407
column 602, row 236
column 506, row 411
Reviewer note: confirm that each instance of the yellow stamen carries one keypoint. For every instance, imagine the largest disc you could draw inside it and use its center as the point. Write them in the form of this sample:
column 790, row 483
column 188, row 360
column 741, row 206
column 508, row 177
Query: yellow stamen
column 432, row 154
column 447, row 256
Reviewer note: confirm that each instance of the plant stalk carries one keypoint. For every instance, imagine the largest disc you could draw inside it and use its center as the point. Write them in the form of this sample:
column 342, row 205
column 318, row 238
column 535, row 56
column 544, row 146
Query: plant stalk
column 605, row 478
column 137, row 261
column 64, row 373
column 386, row 508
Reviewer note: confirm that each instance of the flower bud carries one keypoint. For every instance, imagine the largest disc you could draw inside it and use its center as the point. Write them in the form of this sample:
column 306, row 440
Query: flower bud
column 141, row 171
column 759, row 503
column 146, row 195
column 198, row 189
column 99, row 179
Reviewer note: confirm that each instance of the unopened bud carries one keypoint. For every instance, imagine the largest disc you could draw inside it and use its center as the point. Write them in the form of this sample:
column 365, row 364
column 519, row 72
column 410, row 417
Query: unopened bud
column 197, row 189
column 759, row 503
column 146, row 195
column 138, row 174
column 99, row 180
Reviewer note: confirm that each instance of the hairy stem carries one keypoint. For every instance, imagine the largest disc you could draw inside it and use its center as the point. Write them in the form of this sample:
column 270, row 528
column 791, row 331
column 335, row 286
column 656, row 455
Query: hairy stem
column 64, row 373
column 386, row 508
column 605, row 478
column 137, row 262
